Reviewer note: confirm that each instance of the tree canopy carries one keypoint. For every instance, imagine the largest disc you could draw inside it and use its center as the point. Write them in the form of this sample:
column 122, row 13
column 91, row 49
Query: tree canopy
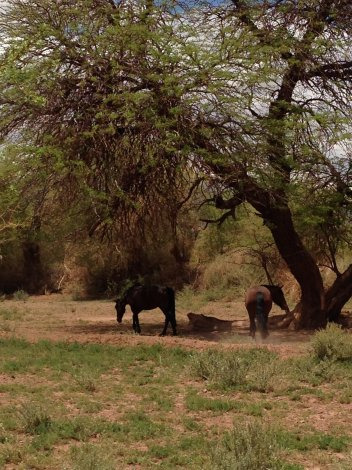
column 137, row 105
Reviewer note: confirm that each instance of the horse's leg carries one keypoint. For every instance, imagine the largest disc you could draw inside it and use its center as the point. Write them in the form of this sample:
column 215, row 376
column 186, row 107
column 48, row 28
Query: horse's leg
column 265, row 332
column 252, row 326
column 167, row 319
column 170, row 318
column 173, row 324
column 136, row 327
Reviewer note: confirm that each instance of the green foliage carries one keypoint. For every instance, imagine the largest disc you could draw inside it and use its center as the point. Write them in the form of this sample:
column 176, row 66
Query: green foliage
column 54, row 45
column 332, row 343
column 118, row 111
column 246, row 251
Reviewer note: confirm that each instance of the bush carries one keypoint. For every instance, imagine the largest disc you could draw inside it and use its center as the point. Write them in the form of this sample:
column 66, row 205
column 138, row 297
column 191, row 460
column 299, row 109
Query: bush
column 253, row 369
column 20, row 295
column 332, row 343
column 247, row 447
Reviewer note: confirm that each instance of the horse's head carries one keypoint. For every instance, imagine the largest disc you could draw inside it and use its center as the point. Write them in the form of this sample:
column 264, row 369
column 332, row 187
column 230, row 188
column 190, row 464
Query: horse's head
column 120, row 308
column 279, row 298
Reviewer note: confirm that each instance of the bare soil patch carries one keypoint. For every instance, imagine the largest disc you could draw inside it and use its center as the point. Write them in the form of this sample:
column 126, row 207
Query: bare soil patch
column 56, row 317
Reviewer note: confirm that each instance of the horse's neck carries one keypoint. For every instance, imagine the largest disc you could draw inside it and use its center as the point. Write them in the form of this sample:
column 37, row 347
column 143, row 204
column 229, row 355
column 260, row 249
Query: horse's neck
column 272, row 292
column 124, row 301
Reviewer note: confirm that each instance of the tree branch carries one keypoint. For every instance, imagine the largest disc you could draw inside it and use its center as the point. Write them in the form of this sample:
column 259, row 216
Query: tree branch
column 220, row 220
column 335, row 70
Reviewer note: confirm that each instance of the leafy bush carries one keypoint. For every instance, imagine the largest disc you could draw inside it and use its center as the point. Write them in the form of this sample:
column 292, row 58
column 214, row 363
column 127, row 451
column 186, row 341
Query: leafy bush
column 332, row 343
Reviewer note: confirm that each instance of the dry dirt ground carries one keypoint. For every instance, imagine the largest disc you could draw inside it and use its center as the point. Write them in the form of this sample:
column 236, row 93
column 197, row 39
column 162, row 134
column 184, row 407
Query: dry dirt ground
column 58, row 318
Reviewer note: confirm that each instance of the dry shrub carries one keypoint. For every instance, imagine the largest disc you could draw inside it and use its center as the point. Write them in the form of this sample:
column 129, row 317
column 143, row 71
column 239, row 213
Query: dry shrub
column 256, row 369
column 332, row 343
column 247, row 446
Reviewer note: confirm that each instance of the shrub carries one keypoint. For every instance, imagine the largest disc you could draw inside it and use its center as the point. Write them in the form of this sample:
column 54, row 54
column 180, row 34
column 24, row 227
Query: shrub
column 253, row 369
column 332, row 343
column 20, row 295
column 247, row 447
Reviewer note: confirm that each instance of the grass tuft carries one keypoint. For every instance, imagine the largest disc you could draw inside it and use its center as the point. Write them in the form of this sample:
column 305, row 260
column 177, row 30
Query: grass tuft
column 21, row 295
column 35, row 418
column 90, row 457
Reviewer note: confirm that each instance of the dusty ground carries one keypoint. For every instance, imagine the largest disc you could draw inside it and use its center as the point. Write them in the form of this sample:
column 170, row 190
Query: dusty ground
column 59, row 318
column 56, row 317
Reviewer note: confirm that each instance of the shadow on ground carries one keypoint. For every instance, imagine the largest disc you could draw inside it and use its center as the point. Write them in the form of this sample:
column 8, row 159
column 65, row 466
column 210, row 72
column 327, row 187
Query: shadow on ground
column 238, row 333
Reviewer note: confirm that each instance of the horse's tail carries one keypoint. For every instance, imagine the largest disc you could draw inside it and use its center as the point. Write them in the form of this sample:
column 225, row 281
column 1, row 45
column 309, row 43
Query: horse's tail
column 260, row 314
column 171, row 298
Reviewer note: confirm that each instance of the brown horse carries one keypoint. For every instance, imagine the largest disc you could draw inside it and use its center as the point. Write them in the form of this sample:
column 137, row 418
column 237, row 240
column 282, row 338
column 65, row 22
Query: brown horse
column 258, row 301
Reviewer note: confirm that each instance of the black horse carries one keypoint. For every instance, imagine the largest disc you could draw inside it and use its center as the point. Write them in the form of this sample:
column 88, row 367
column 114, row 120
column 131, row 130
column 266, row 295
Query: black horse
column 258, row 303
column 141, row 297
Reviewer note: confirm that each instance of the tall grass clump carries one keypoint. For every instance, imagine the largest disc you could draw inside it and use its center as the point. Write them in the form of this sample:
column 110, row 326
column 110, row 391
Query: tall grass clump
column 89, row 457
column 35, row 419
column 253, row 370
column 332, row 343
column 246, row 447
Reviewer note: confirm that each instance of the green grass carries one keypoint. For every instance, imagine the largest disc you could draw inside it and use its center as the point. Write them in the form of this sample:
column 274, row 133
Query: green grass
column 91, row 457
column 70, row 405
column 308, row 441
column 196, row 402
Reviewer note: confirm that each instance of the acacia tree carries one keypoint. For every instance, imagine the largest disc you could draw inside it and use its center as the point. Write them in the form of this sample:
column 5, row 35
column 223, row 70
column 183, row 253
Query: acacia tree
column 274, row 127
column 82, row 98
column 123, row 99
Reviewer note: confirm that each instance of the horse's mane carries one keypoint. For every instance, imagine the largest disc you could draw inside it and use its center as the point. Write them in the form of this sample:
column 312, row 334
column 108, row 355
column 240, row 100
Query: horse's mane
column 130, row 289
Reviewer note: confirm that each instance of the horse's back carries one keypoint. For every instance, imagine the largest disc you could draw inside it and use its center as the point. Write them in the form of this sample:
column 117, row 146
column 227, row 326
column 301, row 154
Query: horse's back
column 149, row 297
column 251, row 298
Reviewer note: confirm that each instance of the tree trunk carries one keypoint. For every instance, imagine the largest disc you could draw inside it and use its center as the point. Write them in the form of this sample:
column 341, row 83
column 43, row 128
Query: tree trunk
column 302, row 266
column 32, row 263
column 32, row 267
column 338, row 294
